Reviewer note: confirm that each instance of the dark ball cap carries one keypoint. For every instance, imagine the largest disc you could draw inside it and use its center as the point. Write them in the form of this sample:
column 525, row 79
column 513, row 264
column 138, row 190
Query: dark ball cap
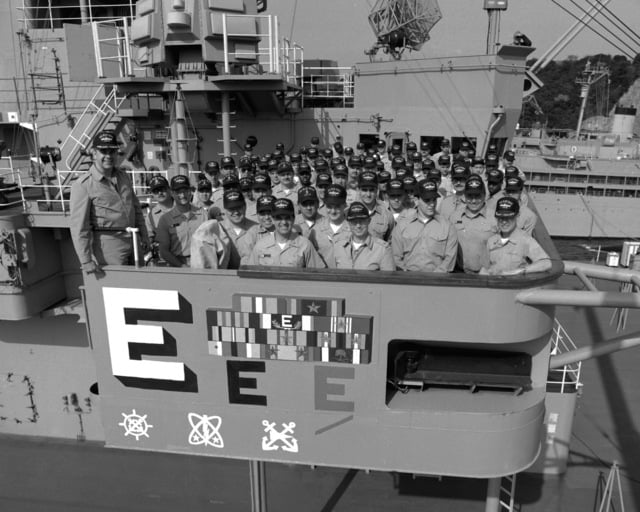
column 507, row 207
column 304, row 169
column 396, row 149
column 348, row 151
column 261, row 182
column 295, row 158
column 106, row 139
column 514, row 184
column 158, row 182
column 384, row 176
column 246, row 184
column 424, row 146
column 341, row 170
column 369, row 162
column 492, row 149
column 336, row 195
column 434, row 174
column 381, row 144
column 252, row 141
column 323, row 179
column 491, row 160
column 495, row 176
column 357, row 211
column 307, row 194
column 412, row 146
column 245, row 163
column 312, row 153
column 279, row 146
column 248, row 147
column 211, row 167
column 395, row 188
column 321, row 164
column 230, row 182
column 428, row 190
column 444, row 160
column 474, row 186
column 336, row 161
column 459, row 172
column 315, row 140
column 402, row 173
column 179, row 182
column 511, row 171
column 264, row 204
column 232, row 199
column 354, row 162
column 204, row 186
column 338, row 148
column 410, row 184
column 428, row 164
column 272, row 165
column 360, row 145
column 397, row 162
column 444, row 143
column 327, row 153
column 416, row 157
column 380, row 165
column 465, row 145
column 509, row 155
column 478, row 160
column 283, row 206
column 284, row 167
column 368, row 179
column 227, row 161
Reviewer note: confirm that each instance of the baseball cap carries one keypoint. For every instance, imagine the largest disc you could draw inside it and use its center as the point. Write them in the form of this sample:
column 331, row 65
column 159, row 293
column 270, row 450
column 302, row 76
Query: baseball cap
column 511, row 171
column 106, row 139
column 227, row 161
column 336, row 195
column 509, row 155
column 444, row 160
column 507, row 207
column 158, row 182
column 428, row 190
column 395, row 187
column 410, row 184
column 261, row 181
column 230, row 182
column 474, row 186
column 397, row 162
column 357, row 211
column 514, row 184
column 307, row 194
column 204, row 185
column 284, row 167
column 180, row 181
column 246, row 183
column 283, row 206
column 494, row 176
column 264, row 204
column 491, row 160
column 384, row 177
column 323, row 179
column 232, row 199
column 368, row 179
column 211, row 167
column 459, row 172
column 434, row 175
column 340, row 170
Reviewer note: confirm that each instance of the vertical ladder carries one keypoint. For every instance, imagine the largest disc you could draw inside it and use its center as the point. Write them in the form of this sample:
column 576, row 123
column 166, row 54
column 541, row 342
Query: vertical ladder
column 507, row 493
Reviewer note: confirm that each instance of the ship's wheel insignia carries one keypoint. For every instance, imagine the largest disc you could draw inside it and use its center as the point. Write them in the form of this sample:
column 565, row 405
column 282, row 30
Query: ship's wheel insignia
column 135, row 425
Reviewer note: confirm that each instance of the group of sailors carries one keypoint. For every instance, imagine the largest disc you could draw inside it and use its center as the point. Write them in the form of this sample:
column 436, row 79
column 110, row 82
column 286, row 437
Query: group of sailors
column 340, row 207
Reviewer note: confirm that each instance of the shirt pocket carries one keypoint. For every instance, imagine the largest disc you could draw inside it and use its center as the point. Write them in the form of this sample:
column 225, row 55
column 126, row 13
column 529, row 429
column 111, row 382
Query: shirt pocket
column 437, row 244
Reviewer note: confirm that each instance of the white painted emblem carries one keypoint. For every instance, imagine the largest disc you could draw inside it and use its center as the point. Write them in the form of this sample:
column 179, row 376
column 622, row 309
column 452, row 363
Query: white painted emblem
column 283, row 439
column 205, row 430
column 135, row 425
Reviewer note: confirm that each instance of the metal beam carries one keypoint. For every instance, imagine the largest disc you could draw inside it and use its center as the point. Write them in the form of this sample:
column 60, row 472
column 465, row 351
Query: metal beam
column 546, row 297
column 601, row 349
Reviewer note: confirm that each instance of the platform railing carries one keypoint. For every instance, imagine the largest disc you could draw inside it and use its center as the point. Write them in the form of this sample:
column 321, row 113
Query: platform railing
column 45, row 15
column 9, row 182
column 114, row 34
column 330, row 83
column 267, row 52
column 567, row 376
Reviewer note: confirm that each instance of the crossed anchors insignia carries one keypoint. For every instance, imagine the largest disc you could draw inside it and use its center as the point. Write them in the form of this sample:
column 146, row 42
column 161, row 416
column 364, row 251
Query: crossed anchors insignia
column 205, row 430
column 283, row 439
column 135, row 425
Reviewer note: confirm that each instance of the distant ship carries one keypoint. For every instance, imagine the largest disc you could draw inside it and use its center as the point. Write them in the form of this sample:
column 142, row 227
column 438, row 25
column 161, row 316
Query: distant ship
column 585, row 183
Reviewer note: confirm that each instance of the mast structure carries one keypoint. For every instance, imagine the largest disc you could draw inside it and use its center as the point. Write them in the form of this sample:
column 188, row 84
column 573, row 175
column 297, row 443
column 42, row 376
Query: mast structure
column 590, row 76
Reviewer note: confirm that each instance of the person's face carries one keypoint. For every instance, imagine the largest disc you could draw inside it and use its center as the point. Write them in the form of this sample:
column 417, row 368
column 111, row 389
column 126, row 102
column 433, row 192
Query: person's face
column 259, row 192
column 335, row 213
column 494, row 187
column 368, row 195
column 354, row 172
column 265, row 219
column 161, row 195
column 474, row 202
column 245, row 172
column 235, row 214
column 478, row 169
column 182, row 196
column 286, row 178
column 506, row 225
column 321, row 191
column 204, row 195
column 228, row 171
column 340, row 179
column 305, row 179
column 359, row 227
column 105, row 159
column 427, row 207
column 214, row 178
column 396, row 202
column 458, row 184
column 309, row 209
column 444, row 169
column 283, row 224
column 275, row 179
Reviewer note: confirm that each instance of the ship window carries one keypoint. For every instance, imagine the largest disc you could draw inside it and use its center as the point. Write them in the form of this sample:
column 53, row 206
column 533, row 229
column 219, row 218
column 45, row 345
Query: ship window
column 596, row 179
column 632, row 180
column 576, row 178
column 616, row 180
column 629, row 193
column 613, row 193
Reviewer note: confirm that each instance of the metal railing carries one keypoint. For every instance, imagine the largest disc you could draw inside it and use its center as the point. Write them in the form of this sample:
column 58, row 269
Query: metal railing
column 566, row 377
column 118, row 42
column 50, row 16
column 266, row 29
column 328, row 83
column 293, row 62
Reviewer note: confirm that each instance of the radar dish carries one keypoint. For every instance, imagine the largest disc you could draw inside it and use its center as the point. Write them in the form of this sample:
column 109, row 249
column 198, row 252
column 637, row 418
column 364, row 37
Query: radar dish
column 401, row 24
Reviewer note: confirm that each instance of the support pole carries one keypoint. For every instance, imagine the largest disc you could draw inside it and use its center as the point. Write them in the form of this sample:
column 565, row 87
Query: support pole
column 258, row 481
column 226, row 124
column 493, row 495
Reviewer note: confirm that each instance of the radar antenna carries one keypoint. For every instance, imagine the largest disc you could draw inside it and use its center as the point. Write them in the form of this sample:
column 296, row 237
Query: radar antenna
column 402, row 24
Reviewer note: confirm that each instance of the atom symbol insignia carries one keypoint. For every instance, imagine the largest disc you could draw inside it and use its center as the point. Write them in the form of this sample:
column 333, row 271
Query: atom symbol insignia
column 205, row 430
column 135, row 425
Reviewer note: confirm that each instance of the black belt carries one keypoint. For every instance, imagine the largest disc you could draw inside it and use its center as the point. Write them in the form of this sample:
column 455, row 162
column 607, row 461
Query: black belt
column 111, row 230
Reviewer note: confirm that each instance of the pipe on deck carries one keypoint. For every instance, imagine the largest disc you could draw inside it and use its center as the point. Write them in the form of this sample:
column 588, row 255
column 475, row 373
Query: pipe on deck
column 601, row 349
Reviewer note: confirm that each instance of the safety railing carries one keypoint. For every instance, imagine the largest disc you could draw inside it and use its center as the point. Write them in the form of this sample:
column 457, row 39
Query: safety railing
column 566, row 378
column 263, row 31
column 112, row 43
column 328, row 84
column 9, row 182
column 293, row 62
column 46, row 15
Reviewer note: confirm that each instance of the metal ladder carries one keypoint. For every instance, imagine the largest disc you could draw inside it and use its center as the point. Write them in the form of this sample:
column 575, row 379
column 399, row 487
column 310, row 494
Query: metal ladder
column 507, row 494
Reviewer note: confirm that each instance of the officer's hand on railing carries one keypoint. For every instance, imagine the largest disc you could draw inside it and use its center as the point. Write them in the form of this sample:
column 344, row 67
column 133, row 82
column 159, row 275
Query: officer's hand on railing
column 91, row 268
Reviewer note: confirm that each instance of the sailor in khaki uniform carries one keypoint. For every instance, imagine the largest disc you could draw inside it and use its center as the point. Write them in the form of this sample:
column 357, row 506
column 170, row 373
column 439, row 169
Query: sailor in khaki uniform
column 334, row 228
column 285, row 248
column 511, row 250
column 286, row 188
column 236, row 225
column 177, row 226
column 103, row 205
column 362, row 251
column 459, row 175
column 527, row 219
column 308, row 205
column 381, row 220
column 475, row 225
column 425, row 241
column 163, row 202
